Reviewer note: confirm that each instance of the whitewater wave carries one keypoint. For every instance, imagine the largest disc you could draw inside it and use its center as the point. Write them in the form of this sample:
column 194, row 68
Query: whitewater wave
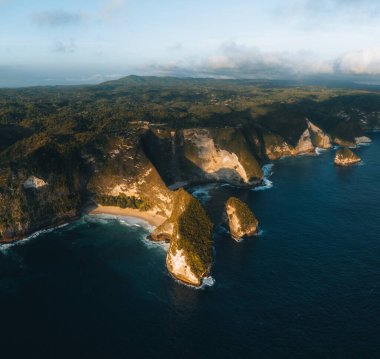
column 156, row 244
column 267, row 183
column 123, row 220
column 6, row 246
column 319, row 151
column 203, row 192
column 259, row 233
column 206, row 282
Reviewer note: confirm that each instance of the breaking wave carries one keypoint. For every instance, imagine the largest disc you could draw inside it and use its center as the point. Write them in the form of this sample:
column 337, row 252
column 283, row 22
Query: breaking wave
column 203, row 192
column 6, row 246
column 320, row 151
column 123, row 220
column 206, row 282
column 267, row 183
column 156, row 244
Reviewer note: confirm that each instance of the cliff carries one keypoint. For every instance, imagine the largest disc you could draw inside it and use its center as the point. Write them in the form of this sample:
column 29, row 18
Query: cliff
column 318, row 137
column 241, row 221
column 42, row 190
column 345, row 157
column 122, row 175
column 189, row 231
column 311, row 137
column 202, row 155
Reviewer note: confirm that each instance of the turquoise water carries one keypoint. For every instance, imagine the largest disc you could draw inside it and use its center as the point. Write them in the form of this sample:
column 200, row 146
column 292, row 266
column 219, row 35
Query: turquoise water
column 307, row 287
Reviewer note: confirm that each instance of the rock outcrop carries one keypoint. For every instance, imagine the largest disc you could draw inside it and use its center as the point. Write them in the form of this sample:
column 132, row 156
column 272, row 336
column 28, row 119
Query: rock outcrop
column 223, row 155
column 318, row 137
column 189, row 232
column 362, row 140
column 125, row 172
column 203, row 155
column 34, row 182
column 345, row 157
column 276, row 146
column 241, row 221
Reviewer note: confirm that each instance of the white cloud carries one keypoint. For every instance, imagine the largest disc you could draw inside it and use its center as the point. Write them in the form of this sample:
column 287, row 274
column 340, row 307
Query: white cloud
column 360, row 62
column 240, row 60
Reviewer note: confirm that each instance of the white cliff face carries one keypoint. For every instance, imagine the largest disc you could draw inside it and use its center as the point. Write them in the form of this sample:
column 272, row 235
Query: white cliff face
column 177, row 265
column 34, row 182
column 318, row 137
column 362, row 140
column 211, row 159
column 304, row 143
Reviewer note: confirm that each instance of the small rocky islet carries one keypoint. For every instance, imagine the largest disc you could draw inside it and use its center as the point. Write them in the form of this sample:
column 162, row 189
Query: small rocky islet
column 241, row 220
column 345, row 157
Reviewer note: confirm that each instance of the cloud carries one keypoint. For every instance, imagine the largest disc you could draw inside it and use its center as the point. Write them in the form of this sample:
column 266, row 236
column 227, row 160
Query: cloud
column 360, row 62
column 233, row 60
column 56, row 18
column 64, row 47
column 241, row 61
column 111, row 8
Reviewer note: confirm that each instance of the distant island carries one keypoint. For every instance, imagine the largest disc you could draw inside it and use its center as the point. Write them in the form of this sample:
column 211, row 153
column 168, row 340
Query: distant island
column 133, row 146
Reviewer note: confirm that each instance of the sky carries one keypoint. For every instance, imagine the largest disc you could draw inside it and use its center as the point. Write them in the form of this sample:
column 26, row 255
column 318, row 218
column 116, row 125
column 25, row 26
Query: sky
column 46, row 42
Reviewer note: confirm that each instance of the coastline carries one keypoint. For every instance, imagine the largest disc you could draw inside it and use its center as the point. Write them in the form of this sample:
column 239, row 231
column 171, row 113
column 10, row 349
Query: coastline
column 153, row 219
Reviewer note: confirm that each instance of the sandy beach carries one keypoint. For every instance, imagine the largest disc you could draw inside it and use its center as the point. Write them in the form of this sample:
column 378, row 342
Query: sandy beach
column 153, row 219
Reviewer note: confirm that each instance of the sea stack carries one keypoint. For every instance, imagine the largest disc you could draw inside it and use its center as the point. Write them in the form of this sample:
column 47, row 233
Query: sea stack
column 345, row 157
column 189, row 231
column 242, row 222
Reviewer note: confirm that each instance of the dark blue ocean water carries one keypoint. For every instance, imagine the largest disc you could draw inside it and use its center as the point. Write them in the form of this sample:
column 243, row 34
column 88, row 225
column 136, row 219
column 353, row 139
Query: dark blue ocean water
column 307, row 287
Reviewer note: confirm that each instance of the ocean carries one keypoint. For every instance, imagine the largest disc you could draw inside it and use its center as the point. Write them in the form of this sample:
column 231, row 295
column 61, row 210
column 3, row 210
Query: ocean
column 308, row 286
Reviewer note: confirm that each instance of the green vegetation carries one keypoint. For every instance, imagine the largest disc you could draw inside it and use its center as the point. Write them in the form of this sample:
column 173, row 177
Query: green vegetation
column 121, row 201
column 245, row 215
column 194, row 230
column 70, row 136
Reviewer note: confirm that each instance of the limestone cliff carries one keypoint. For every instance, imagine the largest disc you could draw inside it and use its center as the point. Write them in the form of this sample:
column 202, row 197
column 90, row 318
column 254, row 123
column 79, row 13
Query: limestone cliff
column 312, row 136
column 203, row 155
column 189, row 231
column 275, row 146
column 345, row 157
column 318, row 137
column 241, row 221
column 123, row 175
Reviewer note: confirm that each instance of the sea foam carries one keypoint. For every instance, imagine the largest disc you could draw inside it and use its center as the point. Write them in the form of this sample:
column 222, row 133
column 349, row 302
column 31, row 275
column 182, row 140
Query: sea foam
column 319, row 151
column 203, row 192
column 156, row 244
column 6, row 246
column 267, row 183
